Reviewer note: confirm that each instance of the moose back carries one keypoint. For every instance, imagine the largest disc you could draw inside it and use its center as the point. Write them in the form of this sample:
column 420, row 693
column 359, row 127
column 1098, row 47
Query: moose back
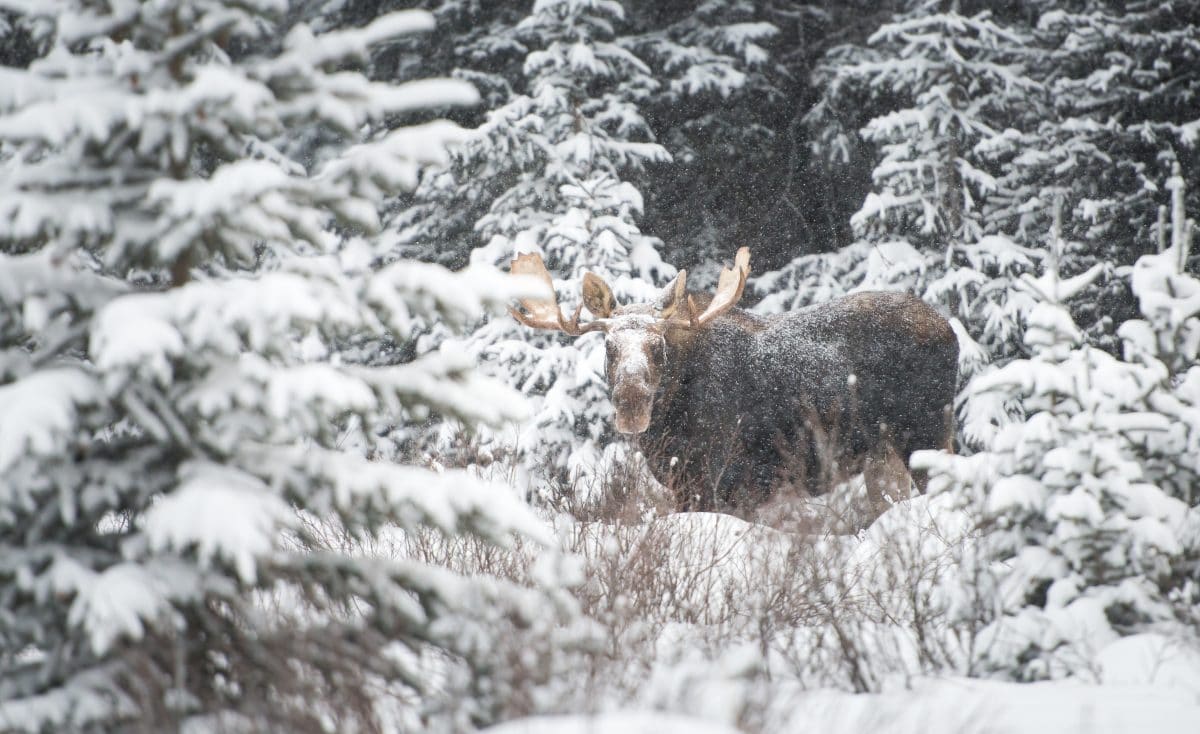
column 730, row 406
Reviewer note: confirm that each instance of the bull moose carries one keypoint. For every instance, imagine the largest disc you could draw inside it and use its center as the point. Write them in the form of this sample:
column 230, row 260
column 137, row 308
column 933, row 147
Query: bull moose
column 729, row 405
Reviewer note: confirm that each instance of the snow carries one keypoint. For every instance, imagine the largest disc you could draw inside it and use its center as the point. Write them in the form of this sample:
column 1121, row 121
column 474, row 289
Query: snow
column 240, row 99
column 634, row 341
column 446, row 380
column 713, row 557
column 1016, row 492
column 706, row 673
column 961, row 706
column 412, row 496
column 1152, row 659
column 395, row 99
column 889, row 261
column 144, row 332
column 698, row 79
column 48, row 276
column 93, row 110
column 230, row 187
column 396, row 159
column 87, row 701
column 1078, row 505
column 1057, row 289
column 115, row 602
column 320, row 385
column 624, row 722
column 39, row 413
column 339, row 45
column 128, row 331
column 218, row 512
column 408, row 292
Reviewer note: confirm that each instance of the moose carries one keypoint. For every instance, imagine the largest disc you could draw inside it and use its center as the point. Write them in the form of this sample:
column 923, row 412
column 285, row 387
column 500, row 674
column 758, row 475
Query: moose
column 729, row 406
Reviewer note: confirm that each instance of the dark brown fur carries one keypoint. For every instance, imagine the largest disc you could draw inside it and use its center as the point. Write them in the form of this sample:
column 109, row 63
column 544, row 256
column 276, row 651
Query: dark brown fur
column 748, row 404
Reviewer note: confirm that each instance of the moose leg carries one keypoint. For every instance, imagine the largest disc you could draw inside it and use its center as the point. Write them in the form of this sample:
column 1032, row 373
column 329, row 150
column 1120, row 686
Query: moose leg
column 921, row 480
column 921, row 477
column 887, row 477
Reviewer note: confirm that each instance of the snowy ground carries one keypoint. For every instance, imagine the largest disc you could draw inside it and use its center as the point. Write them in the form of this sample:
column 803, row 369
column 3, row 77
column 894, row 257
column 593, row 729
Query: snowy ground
column 616, row 723
column 962, row 706
column 713, row 624
column 714, row 646
column 947, row 706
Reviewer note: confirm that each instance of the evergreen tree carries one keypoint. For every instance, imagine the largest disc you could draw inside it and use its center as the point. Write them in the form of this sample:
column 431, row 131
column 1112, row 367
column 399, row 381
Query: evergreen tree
column 955, row 101
column 1124, row 98
column 1123, row 111
column 723, row 89
column 954, row 83
column 178, row 430
column 1166, row 340
column 546, row 172
column 942, row 89
column 985, row 119
column 1086, row 534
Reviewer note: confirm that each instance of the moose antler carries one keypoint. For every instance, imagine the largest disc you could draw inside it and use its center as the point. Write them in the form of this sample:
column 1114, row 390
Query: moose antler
column 730, row 285
column 545, row 313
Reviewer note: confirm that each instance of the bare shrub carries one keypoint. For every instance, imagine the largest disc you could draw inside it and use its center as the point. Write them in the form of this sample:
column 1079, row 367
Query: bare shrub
column 305, row 680
column 503, row 661
column 823, row 610
column 672, row 596
column 621, row 490
column 883, row 606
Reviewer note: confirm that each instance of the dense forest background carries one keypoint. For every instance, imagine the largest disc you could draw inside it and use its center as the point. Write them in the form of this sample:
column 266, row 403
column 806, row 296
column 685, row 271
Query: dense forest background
column 273, row 458
column 897, row 139
column 760, row 108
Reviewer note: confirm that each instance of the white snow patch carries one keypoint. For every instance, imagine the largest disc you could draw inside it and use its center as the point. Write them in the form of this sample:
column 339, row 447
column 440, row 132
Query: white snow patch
column 962, row 706
column 114, row 603
column 626, row 722
column 1153, row 660
column 38, row 412
column 222, row 512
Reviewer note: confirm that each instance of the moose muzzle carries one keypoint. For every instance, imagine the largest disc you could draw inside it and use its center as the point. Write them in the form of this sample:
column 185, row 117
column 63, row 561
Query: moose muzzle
column 633, row 400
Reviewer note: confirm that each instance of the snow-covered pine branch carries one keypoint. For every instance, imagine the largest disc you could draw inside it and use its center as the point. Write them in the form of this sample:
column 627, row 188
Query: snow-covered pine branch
column 549, row 171
column 179, row 410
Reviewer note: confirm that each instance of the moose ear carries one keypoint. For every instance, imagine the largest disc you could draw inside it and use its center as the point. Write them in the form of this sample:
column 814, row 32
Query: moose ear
column 673, row 296
column 597, row 296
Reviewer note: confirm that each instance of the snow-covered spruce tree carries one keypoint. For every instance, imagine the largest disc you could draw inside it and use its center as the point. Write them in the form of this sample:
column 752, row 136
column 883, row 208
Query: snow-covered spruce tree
column 955, row 83
column 1166, row 339
column 1084, row 537
column 1123, row 108
column 172, row 423
column 547, row 169
column 1085, row 107
column 945, row 88
column 472, row 41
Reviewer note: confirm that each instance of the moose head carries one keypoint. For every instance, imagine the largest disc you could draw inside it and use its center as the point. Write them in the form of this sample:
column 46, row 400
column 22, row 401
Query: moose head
column 637, row 336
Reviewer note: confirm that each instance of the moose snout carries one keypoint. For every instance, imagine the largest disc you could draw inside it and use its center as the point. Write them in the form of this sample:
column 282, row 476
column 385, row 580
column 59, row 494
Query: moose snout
column 632, row 400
